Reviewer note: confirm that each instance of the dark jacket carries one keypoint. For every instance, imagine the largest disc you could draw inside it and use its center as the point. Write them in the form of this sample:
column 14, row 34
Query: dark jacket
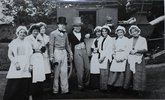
column 74, row 41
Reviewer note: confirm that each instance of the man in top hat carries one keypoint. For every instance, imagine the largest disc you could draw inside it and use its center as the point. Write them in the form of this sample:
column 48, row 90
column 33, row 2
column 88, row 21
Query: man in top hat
column 81, row 60
column 59, row 46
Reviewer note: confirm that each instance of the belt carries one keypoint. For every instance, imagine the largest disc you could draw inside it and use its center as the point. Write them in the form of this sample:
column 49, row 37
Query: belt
column 36, row 51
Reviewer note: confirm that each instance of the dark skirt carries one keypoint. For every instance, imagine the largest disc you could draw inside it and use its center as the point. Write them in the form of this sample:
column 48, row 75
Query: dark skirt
column 104, row 79
column 136, row 81
column 94, row 81
column 17, row 89
column 47, row 84
column 36, row 89
column 116, row 79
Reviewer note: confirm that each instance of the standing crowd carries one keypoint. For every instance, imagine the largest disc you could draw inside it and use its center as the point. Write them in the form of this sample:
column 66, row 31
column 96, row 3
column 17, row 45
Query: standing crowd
column 116, row 62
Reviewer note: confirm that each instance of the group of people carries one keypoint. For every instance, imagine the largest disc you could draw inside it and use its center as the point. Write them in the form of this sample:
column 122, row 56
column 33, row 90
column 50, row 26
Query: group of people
column 30, row 65
column 115, row 62
column 118, row 62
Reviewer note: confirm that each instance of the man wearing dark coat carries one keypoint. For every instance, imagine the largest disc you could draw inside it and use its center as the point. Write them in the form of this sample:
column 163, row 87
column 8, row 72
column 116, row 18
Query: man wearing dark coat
column 81, row 60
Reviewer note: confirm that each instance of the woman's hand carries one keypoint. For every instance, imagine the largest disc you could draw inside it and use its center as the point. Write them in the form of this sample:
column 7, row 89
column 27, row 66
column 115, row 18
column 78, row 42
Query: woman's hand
column 30, row 68
column 101, row 60
column 132, row 52
column 120, row 50
column 87, row 36
column 118, row 60
column 71, row 58
column 17, row 66
column 95, row 50
column 51, row 59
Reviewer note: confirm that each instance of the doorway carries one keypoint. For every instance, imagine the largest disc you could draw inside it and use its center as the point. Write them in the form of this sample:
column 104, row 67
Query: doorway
column 89, row 20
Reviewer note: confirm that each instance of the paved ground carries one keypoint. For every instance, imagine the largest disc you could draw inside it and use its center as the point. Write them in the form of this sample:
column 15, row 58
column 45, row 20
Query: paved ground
column 155, row 89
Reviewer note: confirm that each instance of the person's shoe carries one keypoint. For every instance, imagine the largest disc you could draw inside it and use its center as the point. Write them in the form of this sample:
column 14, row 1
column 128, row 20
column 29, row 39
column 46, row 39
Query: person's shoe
column 55, row 93
column 86, row 86
column 66, row 93
column 104, row 91
column 81, row 88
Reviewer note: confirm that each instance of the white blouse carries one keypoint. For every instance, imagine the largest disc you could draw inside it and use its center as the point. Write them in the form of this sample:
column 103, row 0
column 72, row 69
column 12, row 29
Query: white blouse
column 94, row 64
column 37, row 60
column 106, row 51
column 44, row 40
column 137, row 58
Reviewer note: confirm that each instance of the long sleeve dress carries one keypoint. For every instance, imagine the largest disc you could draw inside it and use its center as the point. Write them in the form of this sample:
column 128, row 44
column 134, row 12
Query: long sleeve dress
column 94, row 64
column 45, row 40
column 36, row 60
column 117, row 69
column 136, row 66
column 105, row 52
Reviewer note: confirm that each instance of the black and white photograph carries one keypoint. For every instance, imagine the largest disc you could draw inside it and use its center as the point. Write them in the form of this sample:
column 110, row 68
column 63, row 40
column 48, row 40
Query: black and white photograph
column 82, row 49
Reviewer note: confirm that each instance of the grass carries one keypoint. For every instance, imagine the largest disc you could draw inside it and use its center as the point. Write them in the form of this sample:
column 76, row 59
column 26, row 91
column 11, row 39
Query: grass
column 2, row 85
column 155, row 88
column 4, row 60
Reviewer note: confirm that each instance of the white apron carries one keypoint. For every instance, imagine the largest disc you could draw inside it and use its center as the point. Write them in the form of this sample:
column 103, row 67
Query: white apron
column 95, row 65
column 122, row 48
column 21, row 53
column 106, row 52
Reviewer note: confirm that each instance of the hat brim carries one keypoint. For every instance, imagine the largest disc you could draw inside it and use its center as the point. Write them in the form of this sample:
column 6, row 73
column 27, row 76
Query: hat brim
column 77, row 24
column 62, row 23
column 32, row 27
column 135, row 27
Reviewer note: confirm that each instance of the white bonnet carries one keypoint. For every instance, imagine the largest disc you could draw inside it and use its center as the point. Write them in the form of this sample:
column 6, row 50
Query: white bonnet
column 134, row 27
column 21, row 28
column 107, row 27
column 97, row 28
column 120, row 28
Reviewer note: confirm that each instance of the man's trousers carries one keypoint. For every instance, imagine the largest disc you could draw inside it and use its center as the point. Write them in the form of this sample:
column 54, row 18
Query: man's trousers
column 60, row 71
column 82, row 66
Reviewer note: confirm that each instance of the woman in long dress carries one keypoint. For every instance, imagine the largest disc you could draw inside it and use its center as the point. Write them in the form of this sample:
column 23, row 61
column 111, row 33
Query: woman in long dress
column 45, row 42
column 105, row 57
column 37, row 61
column 120, row 55
column 19, row 76
column 94, row 64
column 136, row 73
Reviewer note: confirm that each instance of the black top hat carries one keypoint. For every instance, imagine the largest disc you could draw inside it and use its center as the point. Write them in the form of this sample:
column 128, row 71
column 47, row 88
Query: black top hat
column 62, row 20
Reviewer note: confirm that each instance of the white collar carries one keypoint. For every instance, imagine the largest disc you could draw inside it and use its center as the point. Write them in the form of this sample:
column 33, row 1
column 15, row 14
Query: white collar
column 78, row 35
